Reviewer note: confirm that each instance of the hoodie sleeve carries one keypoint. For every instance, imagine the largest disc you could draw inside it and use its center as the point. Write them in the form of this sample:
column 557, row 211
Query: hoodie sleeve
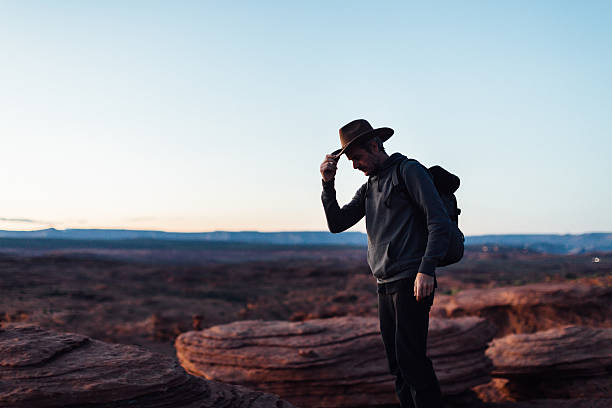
column 340, row 219
column 424, row 193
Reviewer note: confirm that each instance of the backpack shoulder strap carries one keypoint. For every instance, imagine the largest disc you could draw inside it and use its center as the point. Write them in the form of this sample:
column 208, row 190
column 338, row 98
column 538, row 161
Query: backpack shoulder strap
column 398, row 184
column 397, row 179
column 365, row 192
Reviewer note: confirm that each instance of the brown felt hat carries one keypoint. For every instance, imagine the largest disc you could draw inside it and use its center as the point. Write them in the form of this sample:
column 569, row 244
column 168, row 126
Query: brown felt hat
column 359, row 131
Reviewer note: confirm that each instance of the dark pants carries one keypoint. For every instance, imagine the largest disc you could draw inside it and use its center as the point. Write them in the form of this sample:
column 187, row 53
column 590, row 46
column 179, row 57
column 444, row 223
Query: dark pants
column 404, row 323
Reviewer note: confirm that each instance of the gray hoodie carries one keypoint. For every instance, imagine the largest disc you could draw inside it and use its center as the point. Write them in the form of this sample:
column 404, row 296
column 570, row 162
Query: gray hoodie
column 406, row 233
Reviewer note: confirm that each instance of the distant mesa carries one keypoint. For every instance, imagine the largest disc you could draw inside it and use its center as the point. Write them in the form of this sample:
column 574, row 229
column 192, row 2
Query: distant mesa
column 252, row 237
column 43, row 369
column 335, row 362
column 545, row 243
column 551, row 243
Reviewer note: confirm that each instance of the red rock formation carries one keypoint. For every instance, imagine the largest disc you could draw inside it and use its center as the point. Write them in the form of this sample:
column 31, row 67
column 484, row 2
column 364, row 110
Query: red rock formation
column 41, row 368
column 557, row 403
column 529, row 308
column 337, row 362
column 568, row 362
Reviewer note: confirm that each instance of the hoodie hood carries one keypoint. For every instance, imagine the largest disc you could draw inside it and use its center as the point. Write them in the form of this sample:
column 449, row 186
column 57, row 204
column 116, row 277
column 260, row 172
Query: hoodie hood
column 386, row 167
column 388, row 164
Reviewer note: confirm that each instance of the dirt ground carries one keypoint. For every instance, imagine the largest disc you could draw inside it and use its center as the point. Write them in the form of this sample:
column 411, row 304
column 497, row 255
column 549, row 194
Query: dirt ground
column 149, row 296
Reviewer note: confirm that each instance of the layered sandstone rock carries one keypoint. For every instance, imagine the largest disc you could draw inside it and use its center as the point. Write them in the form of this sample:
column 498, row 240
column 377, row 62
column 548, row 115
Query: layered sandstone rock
column 557, row 403
column 567, row 362
column 41, row 368
column 529, row 308
column 336, row 362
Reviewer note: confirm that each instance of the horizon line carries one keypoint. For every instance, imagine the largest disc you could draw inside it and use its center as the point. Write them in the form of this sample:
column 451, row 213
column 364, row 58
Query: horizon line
column 274, row 232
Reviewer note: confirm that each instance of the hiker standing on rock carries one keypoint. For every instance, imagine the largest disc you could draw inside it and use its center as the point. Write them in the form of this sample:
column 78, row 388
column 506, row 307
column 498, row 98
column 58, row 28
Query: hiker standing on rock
column 409, row 234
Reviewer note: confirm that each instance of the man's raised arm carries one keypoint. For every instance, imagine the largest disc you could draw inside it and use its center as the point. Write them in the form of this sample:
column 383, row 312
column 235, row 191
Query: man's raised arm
column 339, row 219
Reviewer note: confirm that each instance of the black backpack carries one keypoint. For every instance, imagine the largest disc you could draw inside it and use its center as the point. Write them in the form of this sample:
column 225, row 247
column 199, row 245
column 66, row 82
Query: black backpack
column 446, row 183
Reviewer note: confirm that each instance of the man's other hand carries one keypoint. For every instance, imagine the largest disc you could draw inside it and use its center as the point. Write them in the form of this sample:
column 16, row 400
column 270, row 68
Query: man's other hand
column 423, row 286
column 329, row 167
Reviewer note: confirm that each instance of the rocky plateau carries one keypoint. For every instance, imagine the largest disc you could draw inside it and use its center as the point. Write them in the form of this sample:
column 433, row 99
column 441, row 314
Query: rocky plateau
column 533, row 307
column 146, row 297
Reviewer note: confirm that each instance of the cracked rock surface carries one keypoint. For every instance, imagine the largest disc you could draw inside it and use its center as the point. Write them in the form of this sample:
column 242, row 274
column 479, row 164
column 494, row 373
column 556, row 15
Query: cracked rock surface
column 42, row 368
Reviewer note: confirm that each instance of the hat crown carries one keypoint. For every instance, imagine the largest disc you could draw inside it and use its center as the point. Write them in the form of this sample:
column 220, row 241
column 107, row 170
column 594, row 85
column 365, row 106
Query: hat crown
column 358, row 131
column 353, row 130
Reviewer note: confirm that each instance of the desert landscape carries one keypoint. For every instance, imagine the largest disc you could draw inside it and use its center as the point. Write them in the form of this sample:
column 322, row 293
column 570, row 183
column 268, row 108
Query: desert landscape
column 177, row 175
column 292, row 325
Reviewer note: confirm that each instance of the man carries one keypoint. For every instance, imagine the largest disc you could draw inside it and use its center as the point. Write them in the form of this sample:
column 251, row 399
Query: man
column 408, row 233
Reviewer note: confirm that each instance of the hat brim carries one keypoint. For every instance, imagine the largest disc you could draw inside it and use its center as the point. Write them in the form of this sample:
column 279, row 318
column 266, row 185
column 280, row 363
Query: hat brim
column 383, row 133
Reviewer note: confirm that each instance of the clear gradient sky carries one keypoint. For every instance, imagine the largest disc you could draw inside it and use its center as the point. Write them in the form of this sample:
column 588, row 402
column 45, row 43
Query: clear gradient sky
column 200, row 116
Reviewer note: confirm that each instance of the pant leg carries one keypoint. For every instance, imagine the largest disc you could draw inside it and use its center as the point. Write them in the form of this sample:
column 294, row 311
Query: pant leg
column 387, row 317
column 411, row 328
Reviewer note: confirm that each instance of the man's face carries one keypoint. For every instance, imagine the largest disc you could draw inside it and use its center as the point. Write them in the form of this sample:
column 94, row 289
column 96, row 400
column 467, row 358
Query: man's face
column 362, row 159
